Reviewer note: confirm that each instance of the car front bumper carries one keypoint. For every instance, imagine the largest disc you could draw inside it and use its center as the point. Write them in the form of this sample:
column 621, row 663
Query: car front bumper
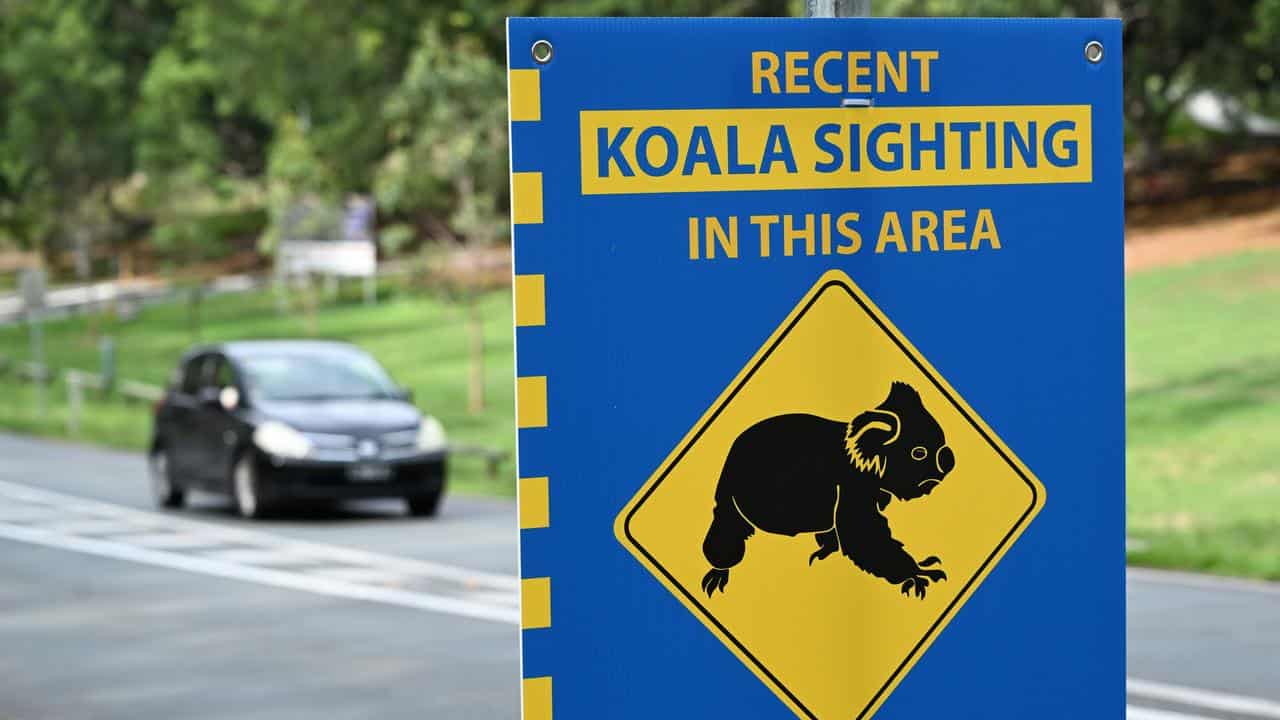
column 417, row 475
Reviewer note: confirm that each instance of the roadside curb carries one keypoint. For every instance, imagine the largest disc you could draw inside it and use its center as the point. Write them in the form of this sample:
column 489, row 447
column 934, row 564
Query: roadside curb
column 1203, row 581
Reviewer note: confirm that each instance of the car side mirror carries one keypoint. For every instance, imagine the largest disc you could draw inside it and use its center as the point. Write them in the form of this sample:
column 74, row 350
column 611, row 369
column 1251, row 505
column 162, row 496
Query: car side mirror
column 404, row 394
column 208, row 397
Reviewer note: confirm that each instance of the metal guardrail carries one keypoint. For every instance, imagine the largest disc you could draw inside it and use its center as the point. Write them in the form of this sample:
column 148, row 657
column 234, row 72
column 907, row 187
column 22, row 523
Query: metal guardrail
column 132, row 295
column 134, row 391
column 35, row 372
column 492, row 457
column 66, row 301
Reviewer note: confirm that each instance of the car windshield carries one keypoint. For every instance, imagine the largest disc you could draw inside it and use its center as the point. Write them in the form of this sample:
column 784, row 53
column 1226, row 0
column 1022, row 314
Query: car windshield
column 315, row 376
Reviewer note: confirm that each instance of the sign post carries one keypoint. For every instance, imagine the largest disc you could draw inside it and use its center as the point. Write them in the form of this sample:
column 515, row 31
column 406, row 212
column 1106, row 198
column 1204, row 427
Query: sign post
column 819, row 357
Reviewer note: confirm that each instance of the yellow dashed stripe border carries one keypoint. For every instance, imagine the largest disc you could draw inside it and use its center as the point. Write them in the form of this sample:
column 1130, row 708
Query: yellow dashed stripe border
column 537, row 698
column 531, row 300
column 535, row 603
column 531, row 401
column 525, row 96
column 535, row 503
column 526, row 198
column 525, row 91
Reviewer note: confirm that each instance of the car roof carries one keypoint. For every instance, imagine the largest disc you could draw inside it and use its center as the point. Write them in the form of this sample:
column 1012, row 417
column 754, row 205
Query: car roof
column 250, row 348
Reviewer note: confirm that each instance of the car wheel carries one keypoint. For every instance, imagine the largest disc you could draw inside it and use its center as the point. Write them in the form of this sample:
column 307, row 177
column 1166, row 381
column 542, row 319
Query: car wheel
column 164, row 491
column 424, row 505
column 246, row 490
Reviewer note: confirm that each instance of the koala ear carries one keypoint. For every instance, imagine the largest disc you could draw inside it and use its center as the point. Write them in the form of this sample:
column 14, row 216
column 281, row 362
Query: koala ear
column 902, row 397
column 867, row 435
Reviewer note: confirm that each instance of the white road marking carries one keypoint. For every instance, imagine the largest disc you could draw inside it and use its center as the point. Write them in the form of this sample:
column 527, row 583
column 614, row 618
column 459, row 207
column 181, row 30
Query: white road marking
column 1139, row 713
column 374, row 576
column 166, row 540
column 272, row 557
column 497, row 598
column 29, row 513
column 91, row 526
column 66, row 522
column 235, row 536
column 1205, row 699
column 277, row 578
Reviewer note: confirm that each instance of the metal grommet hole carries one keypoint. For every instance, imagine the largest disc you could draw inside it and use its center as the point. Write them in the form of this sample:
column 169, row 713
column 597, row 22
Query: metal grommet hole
column 1093, row 52
column 542, row 52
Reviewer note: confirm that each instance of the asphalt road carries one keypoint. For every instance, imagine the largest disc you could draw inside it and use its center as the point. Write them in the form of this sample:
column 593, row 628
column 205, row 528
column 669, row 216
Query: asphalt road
column 109, row 609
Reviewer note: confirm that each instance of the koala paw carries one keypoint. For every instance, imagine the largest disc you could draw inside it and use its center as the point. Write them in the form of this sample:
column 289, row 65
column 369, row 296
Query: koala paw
column 715, row 580
column 919, row 583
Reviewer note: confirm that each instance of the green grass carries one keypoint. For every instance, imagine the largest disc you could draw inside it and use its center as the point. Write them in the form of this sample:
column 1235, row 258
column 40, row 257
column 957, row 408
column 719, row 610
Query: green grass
column 1203, row 451
column 422, row 341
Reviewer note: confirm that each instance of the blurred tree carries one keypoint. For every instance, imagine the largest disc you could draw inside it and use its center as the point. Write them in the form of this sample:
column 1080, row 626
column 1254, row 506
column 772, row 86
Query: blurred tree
column 69, row 78
column 188, row 121
column 242, row 75
column 1171, row 49
column 1265, row 40
column 447, row 123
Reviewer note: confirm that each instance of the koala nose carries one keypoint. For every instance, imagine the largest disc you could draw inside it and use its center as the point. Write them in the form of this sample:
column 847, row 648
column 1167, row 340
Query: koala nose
column 946, row 459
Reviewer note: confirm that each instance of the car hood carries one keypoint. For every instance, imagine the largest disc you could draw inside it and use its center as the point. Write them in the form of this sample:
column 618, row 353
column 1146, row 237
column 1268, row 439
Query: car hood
column 347, row 417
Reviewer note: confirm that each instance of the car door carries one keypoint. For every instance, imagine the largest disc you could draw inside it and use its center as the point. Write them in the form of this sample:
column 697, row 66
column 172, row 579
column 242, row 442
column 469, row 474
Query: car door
column 182, row 417
column 219, row 426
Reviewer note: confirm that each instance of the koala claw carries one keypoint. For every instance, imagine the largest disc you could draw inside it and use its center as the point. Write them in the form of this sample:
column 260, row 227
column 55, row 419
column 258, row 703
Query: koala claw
column 714, row 580
column 820, row 554
column 918, row 584
column 935, row 575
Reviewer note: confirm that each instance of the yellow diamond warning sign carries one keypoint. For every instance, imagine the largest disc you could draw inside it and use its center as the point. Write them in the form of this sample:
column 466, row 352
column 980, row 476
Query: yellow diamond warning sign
column 833, row 509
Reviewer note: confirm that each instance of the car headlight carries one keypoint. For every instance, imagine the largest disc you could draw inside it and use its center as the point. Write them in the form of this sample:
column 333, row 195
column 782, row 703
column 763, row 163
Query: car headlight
column 276, row 438
column 430, row 435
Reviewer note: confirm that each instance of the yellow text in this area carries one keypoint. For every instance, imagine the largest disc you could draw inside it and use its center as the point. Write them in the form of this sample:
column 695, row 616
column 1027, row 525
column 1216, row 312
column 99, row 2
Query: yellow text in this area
column 662, row 151
column 767, row 235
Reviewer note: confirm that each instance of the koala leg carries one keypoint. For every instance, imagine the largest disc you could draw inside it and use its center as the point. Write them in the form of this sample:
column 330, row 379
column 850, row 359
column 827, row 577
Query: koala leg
column 725, row 544
column 828, row 542
column 865, row 538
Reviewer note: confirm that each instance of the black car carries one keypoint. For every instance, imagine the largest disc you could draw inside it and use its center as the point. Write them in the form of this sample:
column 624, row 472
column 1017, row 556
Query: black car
column 267, row 422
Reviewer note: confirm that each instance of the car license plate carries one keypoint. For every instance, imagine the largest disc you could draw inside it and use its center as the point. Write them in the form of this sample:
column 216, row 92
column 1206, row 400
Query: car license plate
column 368, row 472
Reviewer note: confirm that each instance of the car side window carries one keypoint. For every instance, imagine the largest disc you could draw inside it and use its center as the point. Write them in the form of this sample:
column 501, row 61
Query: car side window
column 192, row 375
column 222, row 375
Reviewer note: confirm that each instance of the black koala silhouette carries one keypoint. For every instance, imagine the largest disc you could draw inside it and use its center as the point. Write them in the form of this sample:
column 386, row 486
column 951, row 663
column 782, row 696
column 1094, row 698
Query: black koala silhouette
column 797, row 473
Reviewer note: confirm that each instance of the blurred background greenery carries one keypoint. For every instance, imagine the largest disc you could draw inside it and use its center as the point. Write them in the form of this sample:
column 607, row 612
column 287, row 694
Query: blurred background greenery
column 166, row 133
column 168, row 139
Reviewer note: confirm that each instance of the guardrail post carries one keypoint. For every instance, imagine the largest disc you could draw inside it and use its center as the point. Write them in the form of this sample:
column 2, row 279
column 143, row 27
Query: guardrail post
column 75, row 401
column 37, row 359
column 107, row 362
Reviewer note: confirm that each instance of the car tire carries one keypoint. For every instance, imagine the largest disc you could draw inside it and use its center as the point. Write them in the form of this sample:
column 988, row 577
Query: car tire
column 246, row 490
column 426, row 505
column 164, row 491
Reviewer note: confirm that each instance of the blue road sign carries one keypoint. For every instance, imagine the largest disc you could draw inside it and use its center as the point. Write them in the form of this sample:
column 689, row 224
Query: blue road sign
column 819, row 358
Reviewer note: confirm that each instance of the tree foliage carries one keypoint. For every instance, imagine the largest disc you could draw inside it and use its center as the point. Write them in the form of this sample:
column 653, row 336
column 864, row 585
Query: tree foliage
column 128, row 120
column 1171, row 49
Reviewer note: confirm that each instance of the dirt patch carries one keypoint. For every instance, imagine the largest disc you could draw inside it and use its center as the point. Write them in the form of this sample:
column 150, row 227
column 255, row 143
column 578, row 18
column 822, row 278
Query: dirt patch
column 1195, row 231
